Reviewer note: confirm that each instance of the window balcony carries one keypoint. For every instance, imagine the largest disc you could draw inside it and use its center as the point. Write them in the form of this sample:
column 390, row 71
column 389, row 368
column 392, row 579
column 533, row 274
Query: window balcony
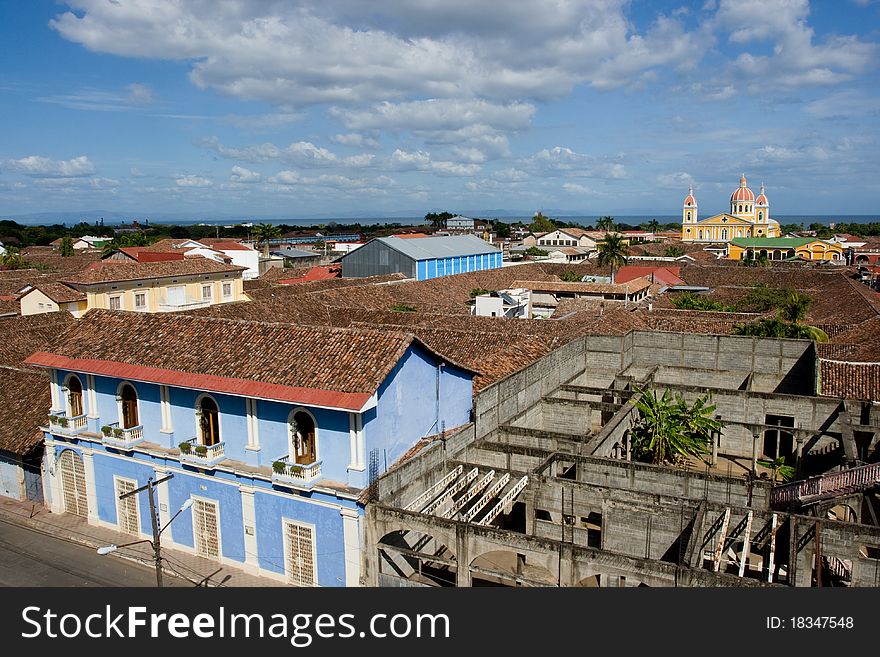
column 119, row 438
column 204, row 456
column 69, row 426
column 286, row 473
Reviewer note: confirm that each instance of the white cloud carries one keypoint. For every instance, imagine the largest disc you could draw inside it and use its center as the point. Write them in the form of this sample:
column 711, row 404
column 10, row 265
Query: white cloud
column 678, row 180
column 561, row 159
column 285, row 178
column 302, row 153
column 242, row 175
column 134, row 96
column 796, row 60
column 44, row 167
column 192, row 181
column 510, row 175
column 297, row 54
column 421, row 161
column 356, row 140
column 575, row 188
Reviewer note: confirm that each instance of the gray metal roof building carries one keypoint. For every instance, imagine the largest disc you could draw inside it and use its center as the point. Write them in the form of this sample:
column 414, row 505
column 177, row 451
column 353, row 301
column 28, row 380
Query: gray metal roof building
column 421, row 258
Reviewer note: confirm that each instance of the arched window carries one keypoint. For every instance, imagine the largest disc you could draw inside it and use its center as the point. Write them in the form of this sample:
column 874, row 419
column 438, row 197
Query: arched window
column 74, row 397
column 724, row 233
column 689, row 216
column 303, row 438
column 128, row 406
column 209, row 421
column 761, row 215
column 701, row 234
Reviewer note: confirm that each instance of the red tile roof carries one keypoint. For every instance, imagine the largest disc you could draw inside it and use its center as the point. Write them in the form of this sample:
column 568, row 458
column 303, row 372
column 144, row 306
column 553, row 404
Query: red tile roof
column 108, row 271
column 664, row 275
column 58, row 292
column 339, row 368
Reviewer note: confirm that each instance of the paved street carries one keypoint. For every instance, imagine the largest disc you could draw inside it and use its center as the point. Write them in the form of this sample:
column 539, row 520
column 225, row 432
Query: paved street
column 32, row 558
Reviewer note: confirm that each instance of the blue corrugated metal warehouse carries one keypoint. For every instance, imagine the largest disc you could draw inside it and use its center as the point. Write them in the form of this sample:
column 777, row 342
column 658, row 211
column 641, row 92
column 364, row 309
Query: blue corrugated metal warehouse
column 421, row 258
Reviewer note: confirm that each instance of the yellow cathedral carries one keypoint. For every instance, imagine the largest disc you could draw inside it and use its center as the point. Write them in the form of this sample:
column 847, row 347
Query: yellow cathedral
column 748, row 217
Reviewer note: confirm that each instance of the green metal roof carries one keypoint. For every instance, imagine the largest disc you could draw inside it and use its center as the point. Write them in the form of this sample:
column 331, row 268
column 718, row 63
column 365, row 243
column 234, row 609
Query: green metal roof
column 773, row 242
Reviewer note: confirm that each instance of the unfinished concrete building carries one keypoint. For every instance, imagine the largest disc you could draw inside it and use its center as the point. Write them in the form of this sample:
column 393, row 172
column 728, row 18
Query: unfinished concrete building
column 541, row 489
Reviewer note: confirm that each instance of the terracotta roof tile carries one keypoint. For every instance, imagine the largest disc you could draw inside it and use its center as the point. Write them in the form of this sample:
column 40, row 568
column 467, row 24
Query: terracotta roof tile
column 117, row 271
column 24, row 404
column 228, row 353
column 58, row 292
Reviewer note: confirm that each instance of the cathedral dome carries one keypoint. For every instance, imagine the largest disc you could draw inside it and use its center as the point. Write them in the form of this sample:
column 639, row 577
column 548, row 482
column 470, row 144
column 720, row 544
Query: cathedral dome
column 690, row 200
column 742, row 193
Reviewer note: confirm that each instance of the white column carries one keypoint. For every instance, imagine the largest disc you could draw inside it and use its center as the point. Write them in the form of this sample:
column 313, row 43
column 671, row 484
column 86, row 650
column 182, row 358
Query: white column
column 92, row 396
column 56, row 496
column 91, row 487
column 253, row 424
column 249, row 523
column 163, row 499
column 351, row 540
column 165, row 406
column 352, row 442
column 358, row 459
column 55, row 389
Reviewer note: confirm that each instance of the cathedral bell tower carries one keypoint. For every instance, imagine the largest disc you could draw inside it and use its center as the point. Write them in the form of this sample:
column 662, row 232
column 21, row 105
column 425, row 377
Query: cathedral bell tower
column 689, row 216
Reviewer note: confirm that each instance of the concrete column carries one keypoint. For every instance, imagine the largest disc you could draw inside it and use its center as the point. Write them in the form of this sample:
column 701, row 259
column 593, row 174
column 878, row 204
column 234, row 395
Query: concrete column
column 91, row 487
column 755, row 453
column 463, row 577
column 351, row 539
column 716, row 438
column 55, row 389
column 249, row 527
column 352, row 442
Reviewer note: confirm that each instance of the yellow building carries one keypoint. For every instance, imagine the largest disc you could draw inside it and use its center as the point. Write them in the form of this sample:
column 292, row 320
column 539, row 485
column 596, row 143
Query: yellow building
column 784, row 248
column 151, row 287
column 748, row 217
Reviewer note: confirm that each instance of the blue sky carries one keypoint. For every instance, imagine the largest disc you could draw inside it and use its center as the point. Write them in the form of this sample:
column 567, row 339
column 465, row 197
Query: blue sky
column 265, row 108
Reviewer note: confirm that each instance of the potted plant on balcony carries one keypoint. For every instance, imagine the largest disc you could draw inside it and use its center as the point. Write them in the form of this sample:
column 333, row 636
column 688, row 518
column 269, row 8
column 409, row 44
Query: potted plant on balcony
column 53, row 419
column 185, row 447
column 201, row 450
column 278, row 467
column 296, row 469
column 118, row 433
column 106, row 430
column 62, row 422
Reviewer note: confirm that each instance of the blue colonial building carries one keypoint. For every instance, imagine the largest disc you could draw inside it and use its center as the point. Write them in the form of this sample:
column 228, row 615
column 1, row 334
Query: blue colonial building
column 268, row 428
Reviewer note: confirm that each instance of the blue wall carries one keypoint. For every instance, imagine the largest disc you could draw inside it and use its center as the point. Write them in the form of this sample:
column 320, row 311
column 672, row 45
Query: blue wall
column 437, row 267
column 407, row 405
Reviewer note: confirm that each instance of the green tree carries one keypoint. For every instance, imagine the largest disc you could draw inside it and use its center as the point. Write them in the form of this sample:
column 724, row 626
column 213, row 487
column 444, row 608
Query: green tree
column 478, row 291
column 673, row 252
column 66, row 248
column 570, row 277
column 264, row 233
column 13, row 259
column 605, row 223
column 777, row 328
column 653, row 226
column 780, row 468
column 535, row 251
column 668, row 430
column 438, row 220
column 612, row 252
column 502, row 229
column 795, row 306
column 541, row 224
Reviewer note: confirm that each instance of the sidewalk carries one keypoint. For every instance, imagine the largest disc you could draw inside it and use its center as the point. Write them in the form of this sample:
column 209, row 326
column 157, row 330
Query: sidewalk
column 67, row 526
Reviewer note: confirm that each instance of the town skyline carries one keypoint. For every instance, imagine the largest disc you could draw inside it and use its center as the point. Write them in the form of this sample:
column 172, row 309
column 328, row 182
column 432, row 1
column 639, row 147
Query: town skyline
column 299, row 109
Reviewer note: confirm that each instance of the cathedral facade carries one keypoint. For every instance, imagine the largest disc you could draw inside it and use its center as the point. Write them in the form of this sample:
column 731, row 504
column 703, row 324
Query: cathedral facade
column 748, row 217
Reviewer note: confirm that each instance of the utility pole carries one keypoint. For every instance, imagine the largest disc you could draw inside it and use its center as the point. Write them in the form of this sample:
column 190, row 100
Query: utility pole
column 154, row 522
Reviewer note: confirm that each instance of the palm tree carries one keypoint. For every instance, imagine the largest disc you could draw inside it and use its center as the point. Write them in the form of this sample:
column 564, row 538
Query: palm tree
column 780, row 468
column 612, row 252
column 668, row 430
column 653, row 226
column 795, row 307
column 266, row 232
column 605, row 223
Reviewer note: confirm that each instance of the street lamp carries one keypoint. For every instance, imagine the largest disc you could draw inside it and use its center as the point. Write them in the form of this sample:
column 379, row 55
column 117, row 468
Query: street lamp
column 157, row 532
